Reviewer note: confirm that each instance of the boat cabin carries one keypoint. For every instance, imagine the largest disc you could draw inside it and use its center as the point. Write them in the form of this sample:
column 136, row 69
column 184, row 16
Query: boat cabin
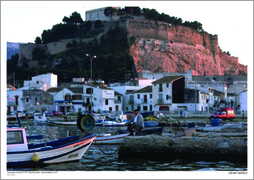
column 16, row 139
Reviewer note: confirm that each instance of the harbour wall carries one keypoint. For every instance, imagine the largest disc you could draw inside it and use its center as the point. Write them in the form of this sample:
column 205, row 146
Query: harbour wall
column 211, row 147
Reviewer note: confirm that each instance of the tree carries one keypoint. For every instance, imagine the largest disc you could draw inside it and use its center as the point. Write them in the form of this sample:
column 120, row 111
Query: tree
column 75, row 18
column 98, row 24
column 66, row 19
column 108, row 11
column 37, row 40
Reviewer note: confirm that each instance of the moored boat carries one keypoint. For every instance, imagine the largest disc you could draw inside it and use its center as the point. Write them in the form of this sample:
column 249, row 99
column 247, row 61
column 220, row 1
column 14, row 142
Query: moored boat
column 20, row 153
column 61, row 122
column 12, row 117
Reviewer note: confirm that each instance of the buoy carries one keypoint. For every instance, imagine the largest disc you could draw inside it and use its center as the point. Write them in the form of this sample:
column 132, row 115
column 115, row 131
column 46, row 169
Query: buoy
column 35, row 158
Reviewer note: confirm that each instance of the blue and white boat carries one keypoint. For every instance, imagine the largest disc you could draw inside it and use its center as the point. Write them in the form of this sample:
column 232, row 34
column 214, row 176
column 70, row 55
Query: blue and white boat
column 20, row 153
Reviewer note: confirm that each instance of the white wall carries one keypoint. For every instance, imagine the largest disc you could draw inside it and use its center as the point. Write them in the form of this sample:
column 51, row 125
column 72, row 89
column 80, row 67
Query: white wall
column 11, row 99
column 243, row 101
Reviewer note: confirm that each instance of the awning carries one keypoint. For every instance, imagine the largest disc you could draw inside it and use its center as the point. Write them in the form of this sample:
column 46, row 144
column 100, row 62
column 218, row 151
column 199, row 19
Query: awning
column 61, row 101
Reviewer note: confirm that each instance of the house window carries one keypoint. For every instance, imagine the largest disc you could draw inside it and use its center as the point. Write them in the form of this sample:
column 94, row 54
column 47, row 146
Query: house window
column 151, row 96
column 67, row 97
column 126, row 108
column 76, row 97
column 98, row 14
column 106, row 102
column 145, row 108
column 167, row 85
column 167, row 97
column 118, row 98
column 89, row 91
column 27, row 99
column 151, row 107
column 138, row 96
column 37, row 82
column 35, row 101
column 160, row 88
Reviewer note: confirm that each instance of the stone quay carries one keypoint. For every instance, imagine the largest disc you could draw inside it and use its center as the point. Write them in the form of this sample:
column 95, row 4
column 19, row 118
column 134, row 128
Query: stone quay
column 206, row 146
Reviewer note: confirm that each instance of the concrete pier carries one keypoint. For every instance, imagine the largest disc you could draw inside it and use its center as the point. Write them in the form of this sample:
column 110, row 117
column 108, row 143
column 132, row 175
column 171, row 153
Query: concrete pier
column 212, row 146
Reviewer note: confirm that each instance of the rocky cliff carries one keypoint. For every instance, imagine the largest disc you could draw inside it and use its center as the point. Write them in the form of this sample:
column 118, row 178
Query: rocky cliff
column 161, row 47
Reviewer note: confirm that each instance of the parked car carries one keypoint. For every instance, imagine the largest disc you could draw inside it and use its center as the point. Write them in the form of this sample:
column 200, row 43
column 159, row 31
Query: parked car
column 53, row 113
column 19, row 112
column 57, row 113
column 49, row 113
column 224, row 114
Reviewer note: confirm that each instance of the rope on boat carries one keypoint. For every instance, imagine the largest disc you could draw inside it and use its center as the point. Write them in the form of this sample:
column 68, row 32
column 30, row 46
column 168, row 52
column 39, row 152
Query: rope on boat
column 108, row 153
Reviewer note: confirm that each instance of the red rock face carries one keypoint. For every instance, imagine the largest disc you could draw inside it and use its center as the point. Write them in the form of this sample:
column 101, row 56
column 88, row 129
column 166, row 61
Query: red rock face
column 160, row 47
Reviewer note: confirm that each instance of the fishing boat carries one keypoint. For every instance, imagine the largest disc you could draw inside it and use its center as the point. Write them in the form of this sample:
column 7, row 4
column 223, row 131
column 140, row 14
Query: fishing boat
column 40, row 118
column 61, row 122
column 12, row 117
column 20, row 153
column 110, row 139
column 210, row 128
column 109, row 123
column 150, row 124
column 118, row 137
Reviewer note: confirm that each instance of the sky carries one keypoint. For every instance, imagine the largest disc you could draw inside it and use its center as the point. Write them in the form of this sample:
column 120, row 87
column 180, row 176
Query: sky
column 232, row 21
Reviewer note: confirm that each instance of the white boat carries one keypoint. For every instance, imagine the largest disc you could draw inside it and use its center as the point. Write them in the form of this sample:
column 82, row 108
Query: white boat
column 109, row 123
column 12, row 117
column 20, row 153
column 218, row 128
column 109, row 138
column 61, row 122
column 40, row 118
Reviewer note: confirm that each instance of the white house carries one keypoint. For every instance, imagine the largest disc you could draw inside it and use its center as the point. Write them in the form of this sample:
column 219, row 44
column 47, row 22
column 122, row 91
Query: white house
column 98, row 14
column 144, row 99
column 128, row 96
column 168, row 91
column 43, row 82
column 70, row 99
column 14, row 102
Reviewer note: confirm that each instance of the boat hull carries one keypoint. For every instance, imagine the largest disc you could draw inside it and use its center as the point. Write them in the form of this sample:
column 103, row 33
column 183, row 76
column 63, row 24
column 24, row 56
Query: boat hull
column 113, row 139
column 72, row 151
column 56, row 122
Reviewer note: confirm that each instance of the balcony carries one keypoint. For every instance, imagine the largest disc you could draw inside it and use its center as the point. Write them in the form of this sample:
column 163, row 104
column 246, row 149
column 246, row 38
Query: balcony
column 131, row 102
column 117, row 101
column 160, row 101
column 144, row 101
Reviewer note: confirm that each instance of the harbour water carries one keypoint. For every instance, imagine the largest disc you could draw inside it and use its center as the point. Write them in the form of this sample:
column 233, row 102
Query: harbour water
column 104, row 158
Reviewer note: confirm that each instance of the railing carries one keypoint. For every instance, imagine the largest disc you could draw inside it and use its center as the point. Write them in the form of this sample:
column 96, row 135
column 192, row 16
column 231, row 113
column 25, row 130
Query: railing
column 144, row 101
column 160, row 101
column 131, row 102
column 117, row 101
